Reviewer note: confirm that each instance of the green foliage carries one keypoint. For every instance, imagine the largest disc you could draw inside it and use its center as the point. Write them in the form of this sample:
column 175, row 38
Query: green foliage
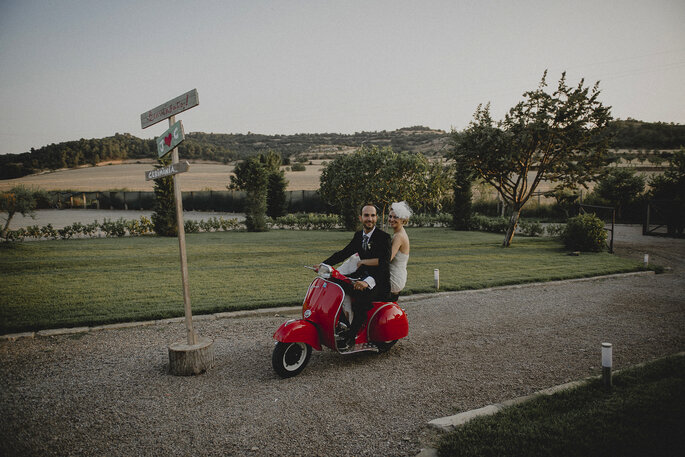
column 164, row 215
column 19, row 199
column 252, row 176
column 619, row 188
column 555, row 230
column 631, row 133
column 489, row 224
column 307, row 221
column 559, row 136
column 585, row 232
column 298, row 167
column 381, row 176
column 462, row 207
column 276, row 204
column 669, row 189
column 531, row 228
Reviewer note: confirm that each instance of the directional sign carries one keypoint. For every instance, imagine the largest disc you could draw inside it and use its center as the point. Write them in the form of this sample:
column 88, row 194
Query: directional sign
column 170, row 108
column 170, row 139
column 169, row 170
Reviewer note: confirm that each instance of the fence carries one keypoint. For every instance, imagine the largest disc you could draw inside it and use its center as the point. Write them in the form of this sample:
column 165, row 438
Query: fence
column 668, row 214
column 210, row 200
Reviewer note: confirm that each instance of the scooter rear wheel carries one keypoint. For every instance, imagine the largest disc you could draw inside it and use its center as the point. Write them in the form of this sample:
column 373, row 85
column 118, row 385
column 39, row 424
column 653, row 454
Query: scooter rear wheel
column 289, row 359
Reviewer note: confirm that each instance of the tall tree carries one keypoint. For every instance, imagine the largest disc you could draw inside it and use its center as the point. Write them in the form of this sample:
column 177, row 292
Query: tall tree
column 462, row 193
column 276, row 204
column 252, row 176
column 381, row 176
column 164, row 210
column 559, row 136
column 620, row 187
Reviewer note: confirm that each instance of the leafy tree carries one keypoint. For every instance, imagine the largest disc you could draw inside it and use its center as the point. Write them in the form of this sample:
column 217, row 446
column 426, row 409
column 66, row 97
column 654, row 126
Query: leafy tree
column 462, row 194
column 559, row 136
column 164, row 210
column 620, row 187
column 276, row 205
column 670, row 187
column 382, row 176
column 19, row 199
column 252, row 176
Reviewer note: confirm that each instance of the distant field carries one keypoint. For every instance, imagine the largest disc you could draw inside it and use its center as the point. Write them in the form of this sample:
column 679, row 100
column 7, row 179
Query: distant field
column 131, row 176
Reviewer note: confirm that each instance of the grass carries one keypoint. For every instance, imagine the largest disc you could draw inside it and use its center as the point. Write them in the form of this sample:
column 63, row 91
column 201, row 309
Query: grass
column 65, row 283
column 641, row 416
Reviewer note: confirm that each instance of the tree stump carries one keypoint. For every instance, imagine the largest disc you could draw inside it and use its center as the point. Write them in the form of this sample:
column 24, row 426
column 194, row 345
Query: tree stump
column 191, row 359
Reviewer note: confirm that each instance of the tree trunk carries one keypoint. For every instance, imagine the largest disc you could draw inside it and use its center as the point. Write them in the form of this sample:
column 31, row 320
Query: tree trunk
column 3, row 234
column 513, row 222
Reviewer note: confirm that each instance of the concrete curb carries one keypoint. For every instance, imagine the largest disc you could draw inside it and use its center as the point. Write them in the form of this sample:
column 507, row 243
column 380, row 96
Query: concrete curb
column 449, row 423
column 417, row 297
column 174, row 320
column 291, row 309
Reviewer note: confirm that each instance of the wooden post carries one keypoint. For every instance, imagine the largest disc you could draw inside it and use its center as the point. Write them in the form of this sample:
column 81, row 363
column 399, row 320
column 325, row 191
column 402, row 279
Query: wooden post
column 192, row 337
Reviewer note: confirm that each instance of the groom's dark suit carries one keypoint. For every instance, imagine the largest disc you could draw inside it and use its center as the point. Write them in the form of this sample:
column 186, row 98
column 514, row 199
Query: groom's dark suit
column 378, row 247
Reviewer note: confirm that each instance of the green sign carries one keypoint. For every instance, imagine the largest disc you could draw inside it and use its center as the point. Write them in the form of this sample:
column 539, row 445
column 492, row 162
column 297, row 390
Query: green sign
column 170, row 139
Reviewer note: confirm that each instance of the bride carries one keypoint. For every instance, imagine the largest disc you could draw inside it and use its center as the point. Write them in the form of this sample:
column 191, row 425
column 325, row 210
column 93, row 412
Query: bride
column 398, row 218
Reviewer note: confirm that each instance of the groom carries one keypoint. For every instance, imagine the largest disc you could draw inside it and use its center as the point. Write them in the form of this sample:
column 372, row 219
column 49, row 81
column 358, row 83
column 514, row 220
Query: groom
column 374, row 283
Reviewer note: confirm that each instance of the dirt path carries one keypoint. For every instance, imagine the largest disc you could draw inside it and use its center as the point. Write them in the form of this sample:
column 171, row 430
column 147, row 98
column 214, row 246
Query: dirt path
column 107, row 393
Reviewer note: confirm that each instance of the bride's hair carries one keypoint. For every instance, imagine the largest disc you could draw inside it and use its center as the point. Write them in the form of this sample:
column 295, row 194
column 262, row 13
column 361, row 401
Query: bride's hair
column 401, row 209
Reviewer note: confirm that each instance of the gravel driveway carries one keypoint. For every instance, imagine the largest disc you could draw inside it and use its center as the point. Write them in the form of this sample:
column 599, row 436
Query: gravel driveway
column 107, row 392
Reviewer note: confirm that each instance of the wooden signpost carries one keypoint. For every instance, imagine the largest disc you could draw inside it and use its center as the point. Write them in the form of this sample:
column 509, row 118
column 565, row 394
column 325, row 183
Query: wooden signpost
column 197, row 354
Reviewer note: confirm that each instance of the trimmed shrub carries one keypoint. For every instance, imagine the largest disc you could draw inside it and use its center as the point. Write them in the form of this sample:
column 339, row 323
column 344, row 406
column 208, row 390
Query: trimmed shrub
column 555, row 230
column 585, row 232
column 489, row 224
column 531, row 228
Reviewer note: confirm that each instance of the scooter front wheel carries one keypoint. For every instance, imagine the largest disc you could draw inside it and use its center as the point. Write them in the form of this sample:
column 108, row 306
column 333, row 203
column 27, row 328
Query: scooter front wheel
column 289, row 359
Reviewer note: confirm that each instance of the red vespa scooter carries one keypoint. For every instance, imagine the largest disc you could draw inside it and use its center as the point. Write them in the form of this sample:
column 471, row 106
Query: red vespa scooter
column 321, row 325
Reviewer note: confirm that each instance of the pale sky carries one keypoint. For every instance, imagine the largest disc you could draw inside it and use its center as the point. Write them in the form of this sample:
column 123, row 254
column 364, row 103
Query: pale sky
column 88, row 69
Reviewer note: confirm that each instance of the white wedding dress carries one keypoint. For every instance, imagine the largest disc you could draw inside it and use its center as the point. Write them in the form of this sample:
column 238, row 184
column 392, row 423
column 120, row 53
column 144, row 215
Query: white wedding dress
column 398, row 272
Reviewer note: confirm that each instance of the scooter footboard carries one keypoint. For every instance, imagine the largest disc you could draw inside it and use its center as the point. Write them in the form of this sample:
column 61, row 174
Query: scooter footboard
column 298, row 331
column 388, row 323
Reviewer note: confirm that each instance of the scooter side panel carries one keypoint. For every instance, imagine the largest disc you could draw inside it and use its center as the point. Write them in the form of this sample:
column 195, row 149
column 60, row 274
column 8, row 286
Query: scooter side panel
column 322, row 307
column 388, row 323
column 298, row 331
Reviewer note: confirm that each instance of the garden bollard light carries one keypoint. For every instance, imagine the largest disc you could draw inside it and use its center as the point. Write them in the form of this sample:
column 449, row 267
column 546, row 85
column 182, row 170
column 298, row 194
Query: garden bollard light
column 436, row 278
column 606, row 365
column 646, row 259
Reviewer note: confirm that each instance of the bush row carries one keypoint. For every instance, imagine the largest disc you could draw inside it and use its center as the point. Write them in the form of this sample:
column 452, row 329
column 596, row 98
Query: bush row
column 525, row 227
column 301, row 221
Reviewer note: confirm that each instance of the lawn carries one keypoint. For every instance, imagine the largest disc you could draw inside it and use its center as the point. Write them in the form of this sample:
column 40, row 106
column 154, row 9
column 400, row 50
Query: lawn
column 642, row 415
column 63, row 283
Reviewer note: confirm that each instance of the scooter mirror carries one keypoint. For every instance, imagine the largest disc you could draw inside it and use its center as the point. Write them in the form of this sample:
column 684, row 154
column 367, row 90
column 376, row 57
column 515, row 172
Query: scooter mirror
column 325, row 271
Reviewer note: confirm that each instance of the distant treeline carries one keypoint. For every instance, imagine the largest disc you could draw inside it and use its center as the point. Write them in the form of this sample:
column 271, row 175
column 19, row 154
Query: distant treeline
column 632, row 134
column 628, row 134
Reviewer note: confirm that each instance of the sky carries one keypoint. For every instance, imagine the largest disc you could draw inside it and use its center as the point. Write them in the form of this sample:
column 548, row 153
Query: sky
column 88, row 69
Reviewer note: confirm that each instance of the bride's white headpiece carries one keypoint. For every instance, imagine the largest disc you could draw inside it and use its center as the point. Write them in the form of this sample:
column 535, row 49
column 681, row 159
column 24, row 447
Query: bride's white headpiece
column 401, row 209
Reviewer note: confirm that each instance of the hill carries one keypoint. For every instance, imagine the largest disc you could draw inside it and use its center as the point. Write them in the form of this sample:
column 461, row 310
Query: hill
column 628, row 134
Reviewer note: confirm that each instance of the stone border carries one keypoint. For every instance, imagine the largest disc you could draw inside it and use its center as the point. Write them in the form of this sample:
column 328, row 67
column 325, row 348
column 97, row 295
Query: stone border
column 289, row 309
